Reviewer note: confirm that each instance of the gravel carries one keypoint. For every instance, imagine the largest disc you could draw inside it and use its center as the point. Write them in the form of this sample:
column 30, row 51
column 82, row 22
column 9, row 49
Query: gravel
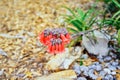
column 106, row 70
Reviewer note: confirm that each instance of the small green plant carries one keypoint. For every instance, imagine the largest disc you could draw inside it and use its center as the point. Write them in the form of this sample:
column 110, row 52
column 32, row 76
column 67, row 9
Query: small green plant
column 114, row 20
column 81, row 63
column 112, row 6
column 80, row 20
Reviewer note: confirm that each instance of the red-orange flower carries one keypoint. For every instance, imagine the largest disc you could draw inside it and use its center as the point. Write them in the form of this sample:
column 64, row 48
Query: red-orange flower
column 55, row 39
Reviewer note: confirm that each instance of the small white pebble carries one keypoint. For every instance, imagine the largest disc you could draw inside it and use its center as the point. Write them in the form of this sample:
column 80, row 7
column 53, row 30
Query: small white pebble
column 1, row 72
column 98, row 67
column 102, row 73
column 84, row 56
column 76, row 68
column 96, row 63
column 81, row 78
column 113, row 73
column 85, row 73
column 112, row 68
column 107, row 70
column 82, row 68
column 91, row 74
column 107, row 64
column 115, row 63
column 118, row 67
column 107, row 58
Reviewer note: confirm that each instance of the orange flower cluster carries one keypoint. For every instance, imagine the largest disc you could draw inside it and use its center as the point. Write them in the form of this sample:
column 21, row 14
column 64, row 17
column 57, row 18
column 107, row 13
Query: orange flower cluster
column 55, row 39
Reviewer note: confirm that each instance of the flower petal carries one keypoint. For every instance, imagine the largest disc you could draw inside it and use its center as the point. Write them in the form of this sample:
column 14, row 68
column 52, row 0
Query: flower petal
column 59, row 48
column 53, row 49
column 56, row 48
column 62, row 46
column 64, row 38
column 41, row 37
column 67, row 36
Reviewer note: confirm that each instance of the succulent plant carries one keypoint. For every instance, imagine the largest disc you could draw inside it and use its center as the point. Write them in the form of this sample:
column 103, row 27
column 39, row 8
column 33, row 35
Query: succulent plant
column 55, row 39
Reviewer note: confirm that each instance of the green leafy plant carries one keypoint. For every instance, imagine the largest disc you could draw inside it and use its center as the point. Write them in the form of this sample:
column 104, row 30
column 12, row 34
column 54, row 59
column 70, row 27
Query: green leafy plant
column 81, row 63
column 80, row 20
column 114, row 20
column 111, row 6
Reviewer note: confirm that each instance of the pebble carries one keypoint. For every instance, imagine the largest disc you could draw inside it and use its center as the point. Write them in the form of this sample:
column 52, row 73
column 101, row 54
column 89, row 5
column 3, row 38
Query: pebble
column 82, row 68
column 92, row 66
column 108, row 77
column 113, row 55
column 102, row 73
column 84, row 56
column 113, row 73
column 81, row 78
column 101, row 60
column 118, row 67
column 98, row 67
column 99, row 56
column 107, row 64
column 107, row 70
column 85, row 73
column 115, row 63
column 107, row 58
column 91, row 74
column 21, row 75
column 76, row 68
column 1, row 72
column 96, row 63
column 112, row 67
column 77, row 71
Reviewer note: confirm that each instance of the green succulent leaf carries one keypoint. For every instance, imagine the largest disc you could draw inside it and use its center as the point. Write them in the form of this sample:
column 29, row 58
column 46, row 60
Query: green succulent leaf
column 77, row 24
column 116, row 14
column 116, row 3
column 92, row 21
column 81, row 63
column 87, row 14
column 72, row 30
column 71, row 11
column 80, row 14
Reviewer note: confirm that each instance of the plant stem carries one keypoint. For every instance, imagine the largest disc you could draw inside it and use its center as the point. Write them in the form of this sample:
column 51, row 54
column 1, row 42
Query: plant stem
column 82, row 33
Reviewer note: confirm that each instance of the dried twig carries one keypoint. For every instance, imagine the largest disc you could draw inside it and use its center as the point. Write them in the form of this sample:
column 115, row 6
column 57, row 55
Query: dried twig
column 82, row 33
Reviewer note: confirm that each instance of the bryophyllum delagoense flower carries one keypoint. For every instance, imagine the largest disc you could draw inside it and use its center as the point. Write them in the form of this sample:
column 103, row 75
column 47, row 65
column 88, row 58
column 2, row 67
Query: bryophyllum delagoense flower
column 55, row 39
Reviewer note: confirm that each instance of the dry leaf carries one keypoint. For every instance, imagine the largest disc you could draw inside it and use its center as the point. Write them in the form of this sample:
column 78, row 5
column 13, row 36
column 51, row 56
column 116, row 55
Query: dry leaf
column 28, row 74
column 118, row 76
